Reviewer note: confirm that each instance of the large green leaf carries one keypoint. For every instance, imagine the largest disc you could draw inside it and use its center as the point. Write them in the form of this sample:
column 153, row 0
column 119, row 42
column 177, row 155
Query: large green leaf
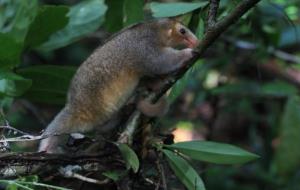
column 133, row 10
column 114, row 15
column 48, row 20
column 213, row 152
column 16, row 16
column 279, row 89
column 287, row 157
column 186, row 174
column 200, row 29
column 129, row 156
column 49, row 83
column 12, row 85
column 84, row 18
column 115, row 175
column 174, row 9
column 10, row 51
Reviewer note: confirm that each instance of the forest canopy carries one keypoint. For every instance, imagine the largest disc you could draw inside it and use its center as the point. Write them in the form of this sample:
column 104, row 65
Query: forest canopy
column 234, row 116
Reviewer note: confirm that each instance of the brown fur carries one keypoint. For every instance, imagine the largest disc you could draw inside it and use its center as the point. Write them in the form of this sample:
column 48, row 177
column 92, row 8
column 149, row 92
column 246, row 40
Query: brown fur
column 107, row 79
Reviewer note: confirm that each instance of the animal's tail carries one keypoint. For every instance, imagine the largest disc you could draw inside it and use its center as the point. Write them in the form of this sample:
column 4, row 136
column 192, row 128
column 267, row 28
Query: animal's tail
column 61, row 124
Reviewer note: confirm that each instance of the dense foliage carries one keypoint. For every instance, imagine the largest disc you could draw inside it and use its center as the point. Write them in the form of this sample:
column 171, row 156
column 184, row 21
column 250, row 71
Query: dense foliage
column 245, row 91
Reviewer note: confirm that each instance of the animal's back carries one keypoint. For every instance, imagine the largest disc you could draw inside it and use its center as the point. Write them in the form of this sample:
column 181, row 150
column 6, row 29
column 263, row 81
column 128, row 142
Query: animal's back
column 105, row 81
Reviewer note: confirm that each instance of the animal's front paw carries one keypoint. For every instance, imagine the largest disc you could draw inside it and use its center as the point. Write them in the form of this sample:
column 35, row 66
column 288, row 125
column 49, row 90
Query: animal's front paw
column 188, row 53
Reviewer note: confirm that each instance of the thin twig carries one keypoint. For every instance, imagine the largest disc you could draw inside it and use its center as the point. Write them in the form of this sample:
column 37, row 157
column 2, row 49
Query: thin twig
column 161, row 170
column 158, row 184
column 126, row 135
column 212, row 13
column 29, row 137
column 89, row 180
column 13, row 129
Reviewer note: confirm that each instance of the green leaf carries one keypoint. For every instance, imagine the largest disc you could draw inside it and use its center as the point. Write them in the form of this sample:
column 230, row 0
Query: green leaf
column 10, row 51
column 133, row 10
column 50, row 83
column 31, row 178
column 213, row 152
column 129, row 156
column 10, row 186
column 5, row 104
column 186, row 174
column 250, row 88
column 182, row 83
column 84, row 18
column 287, row 157
column 16, row 17
column 114, row 15
column 241, row 88
column 114, row 175
column 279, row 89
column 48, row 20
column 12, row 85
column 200, row 29
column 179, row 86
column 174, row 9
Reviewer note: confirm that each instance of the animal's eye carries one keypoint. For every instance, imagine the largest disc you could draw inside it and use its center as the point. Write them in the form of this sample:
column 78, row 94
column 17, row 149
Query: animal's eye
column 182, row 31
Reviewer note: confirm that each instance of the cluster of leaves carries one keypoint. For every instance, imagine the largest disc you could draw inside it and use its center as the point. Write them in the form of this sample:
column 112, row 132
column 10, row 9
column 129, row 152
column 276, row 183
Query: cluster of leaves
column 177, row 155
column 27, row 26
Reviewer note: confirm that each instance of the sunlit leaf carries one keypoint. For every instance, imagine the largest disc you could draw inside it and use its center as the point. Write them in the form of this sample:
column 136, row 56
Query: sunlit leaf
column 213, row 152
column 16, row 16
column 185, row 173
